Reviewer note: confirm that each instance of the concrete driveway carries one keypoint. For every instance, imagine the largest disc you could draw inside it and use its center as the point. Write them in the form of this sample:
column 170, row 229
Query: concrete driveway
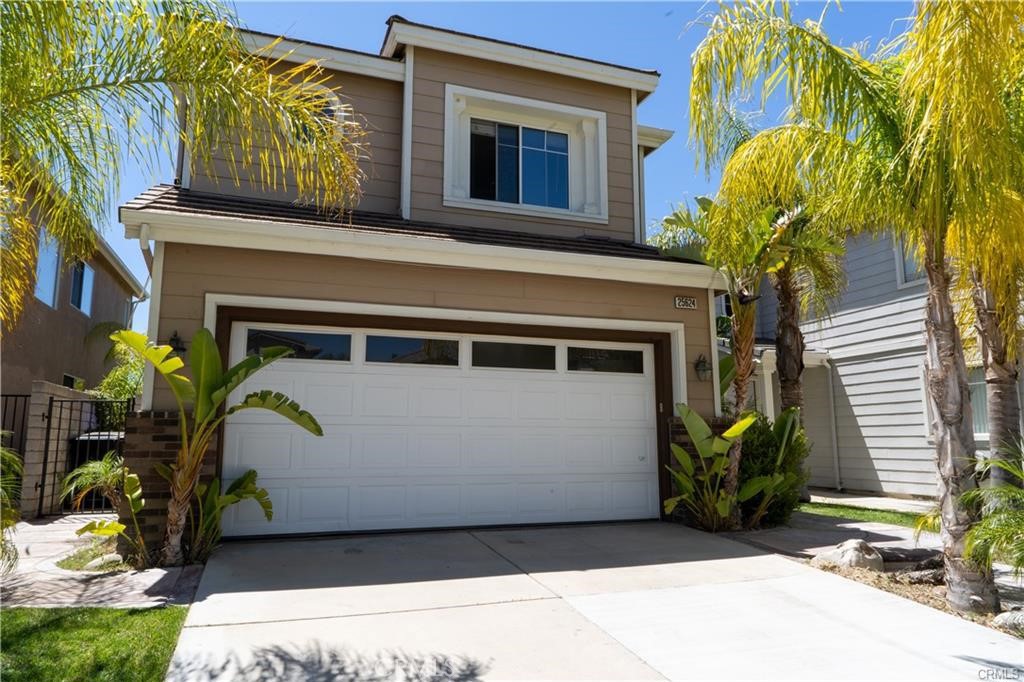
column 611, row 601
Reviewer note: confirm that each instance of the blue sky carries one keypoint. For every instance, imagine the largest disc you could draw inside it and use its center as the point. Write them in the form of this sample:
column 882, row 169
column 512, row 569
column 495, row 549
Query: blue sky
column 648, row 35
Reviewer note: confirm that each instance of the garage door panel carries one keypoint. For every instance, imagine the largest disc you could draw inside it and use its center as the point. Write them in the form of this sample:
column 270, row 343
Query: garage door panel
column 387, row 451
column 415, row 446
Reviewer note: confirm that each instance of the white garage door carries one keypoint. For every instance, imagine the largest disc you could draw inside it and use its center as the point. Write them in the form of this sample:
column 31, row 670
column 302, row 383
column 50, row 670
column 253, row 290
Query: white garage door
column 433, row 430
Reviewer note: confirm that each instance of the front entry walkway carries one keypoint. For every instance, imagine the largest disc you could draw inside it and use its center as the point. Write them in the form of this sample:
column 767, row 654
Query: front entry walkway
column 613, row 601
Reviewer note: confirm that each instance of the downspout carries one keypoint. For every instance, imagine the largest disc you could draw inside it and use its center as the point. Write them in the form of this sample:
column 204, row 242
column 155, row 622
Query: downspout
column 832, row 411
column 147, row 253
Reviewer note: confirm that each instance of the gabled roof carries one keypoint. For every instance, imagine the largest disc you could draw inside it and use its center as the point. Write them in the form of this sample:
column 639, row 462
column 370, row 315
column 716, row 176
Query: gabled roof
column 403, row 32
column 175, row 199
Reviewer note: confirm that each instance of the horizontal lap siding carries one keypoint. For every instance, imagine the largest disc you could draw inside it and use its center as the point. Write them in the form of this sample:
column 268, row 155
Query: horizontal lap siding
column 190, row 272
column 818, row 424
column 432, row 70
column 378, row 103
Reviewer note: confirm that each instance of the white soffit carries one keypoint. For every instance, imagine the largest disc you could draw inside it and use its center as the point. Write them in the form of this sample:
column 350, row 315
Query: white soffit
column 297, row 238
column 333, row 58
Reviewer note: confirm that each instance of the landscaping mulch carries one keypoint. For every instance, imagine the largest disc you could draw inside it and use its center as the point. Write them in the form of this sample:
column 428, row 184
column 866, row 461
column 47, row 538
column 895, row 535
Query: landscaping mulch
column 929, row 595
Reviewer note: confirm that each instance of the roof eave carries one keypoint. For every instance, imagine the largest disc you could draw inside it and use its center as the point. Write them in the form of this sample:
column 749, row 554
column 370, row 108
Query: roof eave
column 253, row 233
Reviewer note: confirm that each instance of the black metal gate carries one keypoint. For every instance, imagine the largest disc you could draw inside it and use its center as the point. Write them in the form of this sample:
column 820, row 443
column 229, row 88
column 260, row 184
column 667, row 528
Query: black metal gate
column 13, row 420
column 78, row 431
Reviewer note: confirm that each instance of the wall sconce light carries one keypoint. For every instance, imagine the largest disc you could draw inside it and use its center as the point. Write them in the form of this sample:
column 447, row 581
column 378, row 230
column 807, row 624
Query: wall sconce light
column 176, row 344
column 702, row 367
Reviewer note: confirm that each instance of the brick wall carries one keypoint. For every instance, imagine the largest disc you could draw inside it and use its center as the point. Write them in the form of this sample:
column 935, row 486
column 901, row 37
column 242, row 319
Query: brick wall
column 152, row 437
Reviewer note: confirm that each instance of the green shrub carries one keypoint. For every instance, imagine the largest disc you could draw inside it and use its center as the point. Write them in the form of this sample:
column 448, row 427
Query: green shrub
column 760, row 453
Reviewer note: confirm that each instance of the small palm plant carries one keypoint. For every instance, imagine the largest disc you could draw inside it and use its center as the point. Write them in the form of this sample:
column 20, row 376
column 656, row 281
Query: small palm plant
column 200, row 402
column 109, row 477
column 10, row 487
column 999, row 536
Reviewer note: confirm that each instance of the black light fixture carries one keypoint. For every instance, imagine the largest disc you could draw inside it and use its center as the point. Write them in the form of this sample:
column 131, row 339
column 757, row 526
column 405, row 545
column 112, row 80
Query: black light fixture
column 176, row 344
column 702, row 367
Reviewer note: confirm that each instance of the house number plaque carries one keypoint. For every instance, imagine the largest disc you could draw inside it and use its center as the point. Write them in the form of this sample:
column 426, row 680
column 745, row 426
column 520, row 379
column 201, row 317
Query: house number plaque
column 686, row 303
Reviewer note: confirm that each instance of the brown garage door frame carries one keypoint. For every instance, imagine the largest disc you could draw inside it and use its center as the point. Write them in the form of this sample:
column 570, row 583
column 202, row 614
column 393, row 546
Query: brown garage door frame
column 228, row 315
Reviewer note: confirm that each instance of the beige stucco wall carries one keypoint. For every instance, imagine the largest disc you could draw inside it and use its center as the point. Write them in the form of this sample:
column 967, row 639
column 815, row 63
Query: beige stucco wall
column 378, row 103
column 47, row 343
column 433, row 69
column 190, row 272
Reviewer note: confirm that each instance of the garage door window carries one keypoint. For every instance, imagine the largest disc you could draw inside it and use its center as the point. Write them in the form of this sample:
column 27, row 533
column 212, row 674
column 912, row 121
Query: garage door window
column 412, row 351
column 305, row 345
column 605, row 360
column 513, row 355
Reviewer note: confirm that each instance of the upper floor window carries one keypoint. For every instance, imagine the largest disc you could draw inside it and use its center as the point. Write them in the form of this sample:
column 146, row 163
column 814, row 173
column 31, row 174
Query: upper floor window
column 518, row 164
column 516, row 155
column 47, row 269
column 81, row 287
column 909, row 270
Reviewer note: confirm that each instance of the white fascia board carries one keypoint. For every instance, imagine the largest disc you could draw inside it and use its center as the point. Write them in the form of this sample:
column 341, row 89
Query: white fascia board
column 136, row 287
column 328, row 58
column 651, row 138
column 443, row 41
column 298, row 238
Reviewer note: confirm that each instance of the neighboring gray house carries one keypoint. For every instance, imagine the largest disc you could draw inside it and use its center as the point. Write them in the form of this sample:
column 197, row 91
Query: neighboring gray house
column 868, row 421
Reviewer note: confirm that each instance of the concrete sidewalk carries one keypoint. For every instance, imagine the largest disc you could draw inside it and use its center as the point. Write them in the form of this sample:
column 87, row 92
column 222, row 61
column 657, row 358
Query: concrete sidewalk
column 610, row 601
column 37, row 581
column 913, row 506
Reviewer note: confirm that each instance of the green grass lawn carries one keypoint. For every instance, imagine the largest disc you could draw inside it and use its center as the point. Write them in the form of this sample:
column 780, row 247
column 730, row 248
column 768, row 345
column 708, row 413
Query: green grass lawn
column 94, row 550
column 896, row 518
column 88, row 644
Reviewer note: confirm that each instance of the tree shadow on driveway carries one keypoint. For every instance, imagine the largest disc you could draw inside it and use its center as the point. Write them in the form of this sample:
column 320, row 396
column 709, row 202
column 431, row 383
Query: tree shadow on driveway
column 317, row 663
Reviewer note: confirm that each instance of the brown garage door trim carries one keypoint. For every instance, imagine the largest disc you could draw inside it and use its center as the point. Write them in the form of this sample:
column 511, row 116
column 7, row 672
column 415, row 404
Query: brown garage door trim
column 228, row 315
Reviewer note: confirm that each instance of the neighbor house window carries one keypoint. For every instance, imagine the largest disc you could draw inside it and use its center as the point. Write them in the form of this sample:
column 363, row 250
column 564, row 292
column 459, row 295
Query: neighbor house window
column 47, row 269
column 516, row 155
column 979, row 400
column 81, row 287
column 910, row 271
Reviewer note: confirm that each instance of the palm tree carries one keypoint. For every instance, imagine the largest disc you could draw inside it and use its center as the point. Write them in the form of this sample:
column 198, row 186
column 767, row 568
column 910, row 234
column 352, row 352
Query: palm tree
column 1000, row 534
column 744, row 248
column 104, row 476
column 89, row 86
column 11, row 470
column 915, row 138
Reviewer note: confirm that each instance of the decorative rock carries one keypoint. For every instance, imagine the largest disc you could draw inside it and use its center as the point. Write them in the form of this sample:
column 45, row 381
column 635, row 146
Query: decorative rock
column 911, row 555
column 101, row 561
column 931, row 576
column 850, row 554
column 1011, row 620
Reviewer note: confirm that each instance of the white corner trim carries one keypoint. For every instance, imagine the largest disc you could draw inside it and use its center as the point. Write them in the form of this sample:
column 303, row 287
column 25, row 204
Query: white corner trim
column 153, row 325
column 767, row 372
column 715, row 376
column 675, row 330
column 298, row 238
column 651, row 138
column 337, row 59
column 638, row 228
column 406, row 198
column 586, row 129
column 444, row 41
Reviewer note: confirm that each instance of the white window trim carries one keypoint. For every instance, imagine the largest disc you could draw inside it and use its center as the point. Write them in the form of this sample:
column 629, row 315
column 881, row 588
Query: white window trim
column 901, row 275
column 588, row 151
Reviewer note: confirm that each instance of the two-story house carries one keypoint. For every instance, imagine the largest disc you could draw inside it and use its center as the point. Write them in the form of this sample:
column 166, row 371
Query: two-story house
column 485, row 338
column 864, row 397
column 49, row 343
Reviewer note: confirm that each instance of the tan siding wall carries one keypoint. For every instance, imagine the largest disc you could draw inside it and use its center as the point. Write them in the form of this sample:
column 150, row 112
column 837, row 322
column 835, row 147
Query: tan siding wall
column 432, row 70
column 379, row 103
column 190, row 272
